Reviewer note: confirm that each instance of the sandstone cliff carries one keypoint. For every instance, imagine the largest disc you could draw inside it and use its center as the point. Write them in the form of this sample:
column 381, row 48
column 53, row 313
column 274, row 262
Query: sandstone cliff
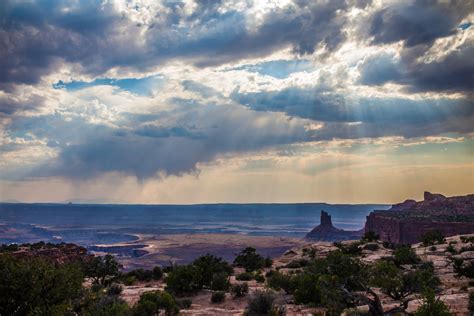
column 325, row 231
column 406, row 222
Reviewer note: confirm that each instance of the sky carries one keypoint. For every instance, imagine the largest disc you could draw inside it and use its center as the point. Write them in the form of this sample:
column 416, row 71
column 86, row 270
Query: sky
column 138, row 101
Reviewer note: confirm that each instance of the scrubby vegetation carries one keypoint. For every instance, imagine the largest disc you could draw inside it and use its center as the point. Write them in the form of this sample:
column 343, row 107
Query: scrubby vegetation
column 463, row 268
column 37, row 287
column 432, row 306
column 263, row 303
column 432, row 237
column 239, row 289
column 370, row 236
column 336, row 282
column 218, row 297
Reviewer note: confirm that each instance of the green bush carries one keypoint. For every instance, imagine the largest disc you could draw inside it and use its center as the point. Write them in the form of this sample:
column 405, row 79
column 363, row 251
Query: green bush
column 239, row 289
column 451, row 249
column 250, row 260
column 388, row 245
column 106, row 306
column 152, row 303
column 405, row 255
column 353, row 248
column 279, row 281
column 463, row 269
column 398, row 284
column 244, row 276
column 140, row 275
column 372, row 247
column 262, row 303
column 466, row 239
column 432, row 237
column 103, row 270
column 259, row 278
column 220, row 282
column 295, row 264
column 185, row 279
column 157, row 273
column 36, row 287
column 114, row 289
column 217, row 297
column 370, row 236
column 432, row 306
column 209, row 266
column 268, row 262
column 184, row 303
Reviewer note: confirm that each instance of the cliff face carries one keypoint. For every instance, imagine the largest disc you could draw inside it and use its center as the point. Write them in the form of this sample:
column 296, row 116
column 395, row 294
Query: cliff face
column 406, row 222
column 325, row 231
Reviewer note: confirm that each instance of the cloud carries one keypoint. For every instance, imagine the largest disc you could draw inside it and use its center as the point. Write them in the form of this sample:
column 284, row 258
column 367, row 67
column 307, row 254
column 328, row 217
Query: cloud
column 453, row 73
column 374, row 116
column 38, row 37
column 417, row 22
column 175, row 144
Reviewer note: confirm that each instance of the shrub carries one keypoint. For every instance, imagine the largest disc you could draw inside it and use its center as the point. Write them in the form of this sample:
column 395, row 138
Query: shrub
column 262, row 303
column 432, row 306
column 463, row 269
column 184, row 279
column 220, row 282
column 250, row 260
column 259, row 278
column 102, row 270
column 209, row 266
column 433, row 248
column 140, row 274
column 128, row 280
column 372, row 247
column 184, row 303
column 239, row 289
column 151, row 303
column 268, row 262
column 466, row 239
column 114, row 289
column 397, row 284
column 432, row 237
column 107, row 305
column 388, row 245
column 217, row 297
column 349, row 249
column 157, row 273
column 451, row 249
column 306, row 289
column 244, row 276
column 279, row 281
column 370, row 236
column 35, row 286
column 405, row 255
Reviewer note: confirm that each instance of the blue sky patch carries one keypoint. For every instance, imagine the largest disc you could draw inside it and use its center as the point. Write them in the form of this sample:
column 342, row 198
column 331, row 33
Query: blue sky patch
column 280, row 69
column 138, row 86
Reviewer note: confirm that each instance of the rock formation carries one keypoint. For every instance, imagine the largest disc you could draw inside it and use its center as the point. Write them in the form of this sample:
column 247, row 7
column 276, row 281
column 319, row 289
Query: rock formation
column 325, row 231
column 406, row 222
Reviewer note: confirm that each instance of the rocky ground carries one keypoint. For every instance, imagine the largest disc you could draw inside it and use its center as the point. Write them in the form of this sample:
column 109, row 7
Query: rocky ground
column 455, row 290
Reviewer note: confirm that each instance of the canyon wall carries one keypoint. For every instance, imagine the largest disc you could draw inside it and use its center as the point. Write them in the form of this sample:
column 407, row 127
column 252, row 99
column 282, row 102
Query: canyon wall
column 407, row 221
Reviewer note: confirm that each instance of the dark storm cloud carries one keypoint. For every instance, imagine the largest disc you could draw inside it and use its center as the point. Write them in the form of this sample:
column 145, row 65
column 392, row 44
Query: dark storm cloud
column 36, row 36
column 417, row 24
column 142, row 147
column 10, row 103
column 381, row 116
column 453, row 73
